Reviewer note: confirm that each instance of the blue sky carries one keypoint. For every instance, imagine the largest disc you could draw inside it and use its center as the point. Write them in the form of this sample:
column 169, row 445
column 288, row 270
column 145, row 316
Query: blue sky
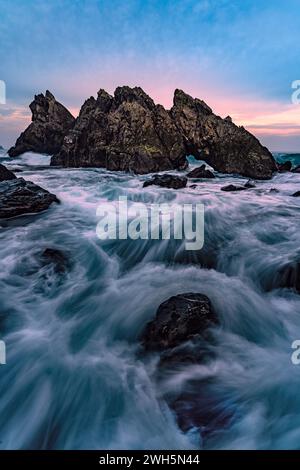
column 239, row 56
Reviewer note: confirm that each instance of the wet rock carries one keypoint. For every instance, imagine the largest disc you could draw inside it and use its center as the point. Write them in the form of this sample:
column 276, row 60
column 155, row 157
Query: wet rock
column 50, row 123
column 274, row 190
column 57, row 258
column 286, row 166
column 18, row 197
column 296, row 169
column 200, row 172
column 233, row 187
column 6, row 174
column 296, row 194
column 249, row 185
column 167, row 181
column 288, row 276
column 193, row 186
column 177, row 320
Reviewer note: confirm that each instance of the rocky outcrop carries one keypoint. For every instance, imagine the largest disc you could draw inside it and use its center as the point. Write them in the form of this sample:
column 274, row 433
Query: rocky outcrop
column 18, row 196
column 178, row 319
column 200, row 172
column 6, row 174
column 50, row 123
column 126, row 132
column 167, row 181
column 223, row 145
column 129, row 132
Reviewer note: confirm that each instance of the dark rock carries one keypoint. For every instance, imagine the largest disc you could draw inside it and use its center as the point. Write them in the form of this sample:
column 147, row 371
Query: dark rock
column 296, row 169
column 167, row 181
column 18, row 196
column 193, row 186
column 233, row 187
column 127, row 132
column 178, row 319
column 296, row 194
column 249, row 184
column 286, row 166
column 57, row 258
column 223, row 145
column 274, row 190
column 200, row 172
column 50, row 123
column 6, row 174
column 289, row 276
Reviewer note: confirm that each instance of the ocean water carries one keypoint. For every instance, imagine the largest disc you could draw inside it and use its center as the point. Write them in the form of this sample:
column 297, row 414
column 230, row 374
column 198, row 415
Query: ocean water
column 75, row 378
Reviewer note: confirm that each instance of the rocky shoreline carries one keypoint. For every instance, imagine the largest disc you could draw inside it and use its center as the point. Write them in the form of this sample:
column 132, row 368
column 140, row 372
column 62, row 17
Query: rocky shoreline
column 129, row 132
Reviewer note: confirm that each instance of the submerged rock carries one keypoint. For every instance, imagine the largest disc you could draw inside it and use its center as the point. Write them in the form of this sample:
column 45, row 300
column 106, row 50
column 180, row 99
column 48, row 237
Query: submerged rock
column 249, row 184
column 57, row 258
column 18, row 197
column 167, row 181
column 296, row 194
column 6, row 174
column 286, row 166
column 233, row 187
column 296, row 169
column 50, row 123
column 200, row 172
column 129, row 132
column 178, row 319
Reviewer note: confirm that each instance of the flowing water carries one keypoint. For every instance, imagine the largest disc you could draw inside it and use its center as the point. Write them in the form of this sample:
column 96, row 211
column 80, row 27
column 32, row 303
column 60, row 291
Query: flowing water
column 75, row 377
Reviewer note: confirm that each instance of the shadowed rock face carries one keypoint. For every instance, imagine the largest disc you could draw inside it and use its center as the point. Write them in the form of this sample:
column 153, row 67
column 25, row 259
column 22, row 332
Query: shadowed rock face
column 223, row 145
column 129, row 132
column 50, row 123
column 6, row 174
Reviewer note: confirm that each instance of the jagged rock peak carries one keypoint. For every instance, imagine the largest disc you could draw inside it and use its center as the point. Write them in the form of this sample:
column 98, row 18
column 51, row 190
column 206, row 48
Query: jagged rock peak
column 136, row 94
column 50, row 123
column 182, row 99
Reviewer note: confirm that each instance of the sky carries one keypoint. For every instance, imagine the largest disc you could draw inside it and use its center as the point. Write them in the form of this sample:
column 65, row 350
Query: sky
column 240, row 56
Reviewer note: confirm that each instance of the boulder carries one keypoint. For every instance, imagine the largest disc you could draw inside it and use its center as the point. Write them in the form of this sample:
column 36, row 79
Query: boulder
column 50, row 123
column 18, row 197
column 177, row 320
column 6, row 174
column 167, row 181
column 296, row 194
column 200, row 172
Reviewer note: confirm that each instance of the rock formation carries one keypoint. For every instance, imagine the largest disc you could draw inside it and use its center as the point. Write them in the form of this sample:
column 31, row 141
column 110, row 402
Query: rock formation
column 18, row 196
column 223, row 145
column 129, row 132
column 126, row 132
column 50, row 123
